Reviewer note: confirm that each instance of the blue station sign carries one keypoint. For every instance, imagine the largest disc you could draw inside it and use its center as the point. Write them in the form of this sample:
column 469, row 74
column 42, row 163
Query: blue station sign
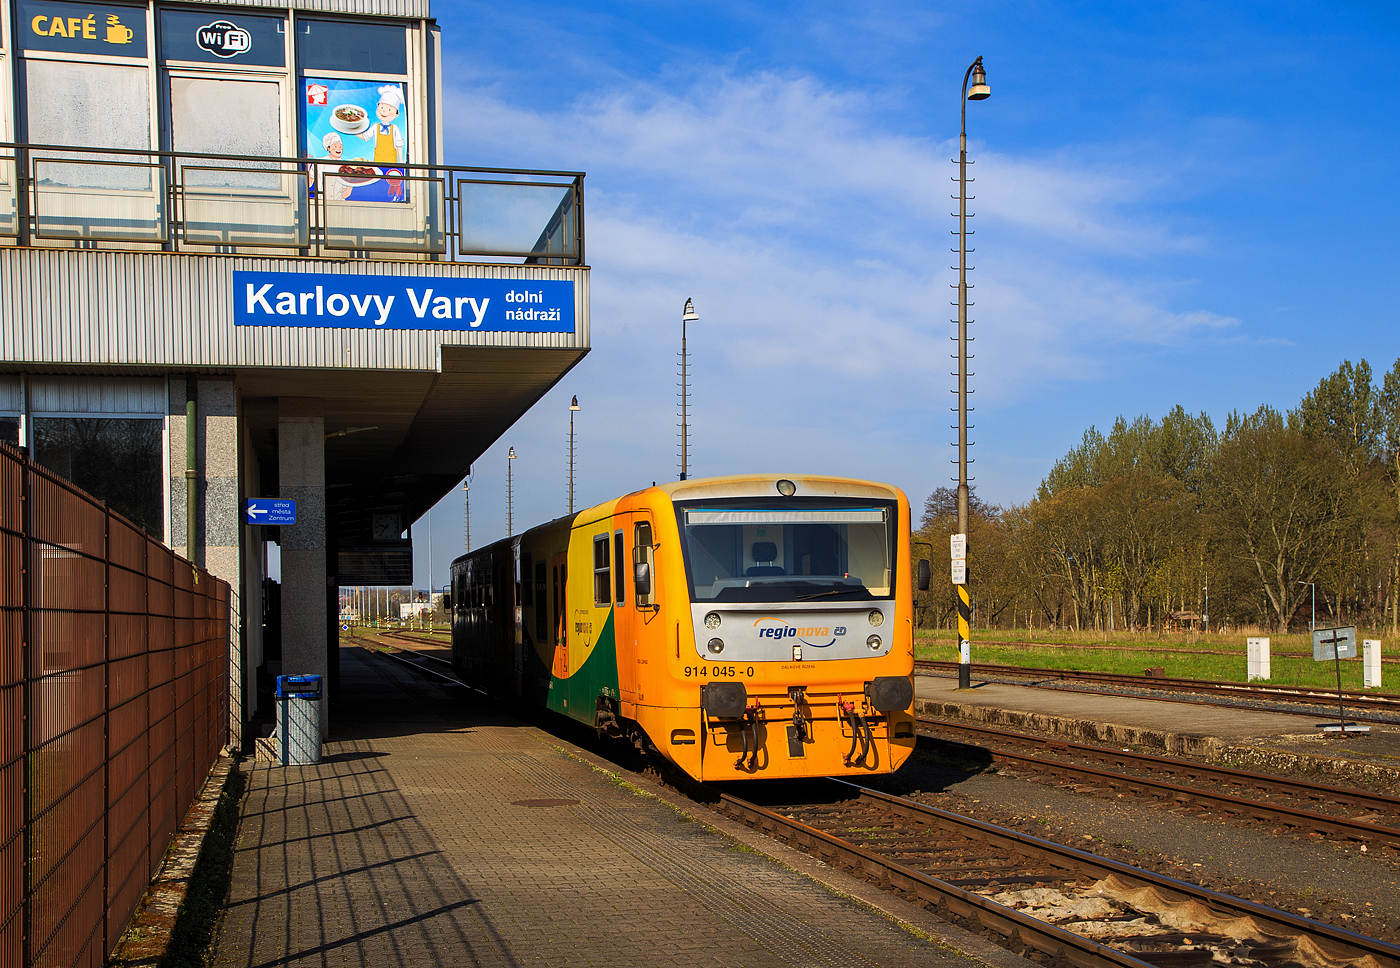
column 270, row 510
column 326, row 299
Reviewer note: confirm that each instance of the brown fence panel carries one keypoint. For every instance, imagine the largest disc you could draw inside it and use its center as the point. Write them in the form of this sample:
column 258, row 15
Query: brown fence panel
column 113, row 708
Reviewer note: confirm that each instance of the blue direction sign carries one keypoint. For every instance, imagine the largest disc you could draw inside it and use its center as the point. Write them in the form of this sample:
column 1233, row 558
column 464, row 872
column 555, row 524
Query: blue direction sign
column 270, row 510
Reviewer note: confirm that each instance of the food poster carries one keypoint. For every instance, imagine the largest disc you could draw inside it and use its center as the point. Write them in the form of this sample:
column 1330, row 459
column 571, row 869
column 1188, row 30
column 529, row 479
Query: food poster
column 360, row 128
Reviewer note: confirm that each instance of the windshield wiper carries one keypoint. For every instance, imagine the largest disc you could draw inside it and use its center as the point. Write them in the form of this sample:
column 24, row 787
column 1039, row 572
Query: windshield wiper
column 834, row 591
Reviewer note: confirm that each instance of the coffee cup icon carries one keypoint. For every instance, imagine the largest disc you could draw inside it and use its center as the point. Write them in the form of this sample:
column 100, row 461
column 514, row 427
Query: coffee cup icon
column 117, row 33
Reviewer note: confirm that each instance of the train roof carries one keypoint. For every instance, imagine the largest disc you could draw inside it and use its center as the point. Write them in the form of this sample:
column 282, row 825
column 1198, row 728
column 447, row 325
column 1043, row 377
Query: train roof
column 734, row 485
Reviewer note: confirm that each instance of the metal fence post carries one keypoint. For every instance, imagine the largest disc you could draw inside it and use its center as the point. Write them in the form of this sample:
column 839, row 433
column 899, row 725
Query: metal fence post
column 27, row 605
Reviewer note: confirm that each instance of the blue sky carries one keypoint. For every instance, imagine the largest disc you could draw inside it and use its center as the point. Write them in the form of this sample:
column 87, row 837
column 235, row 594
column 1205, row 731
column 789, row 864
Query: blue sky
column 1187, row 203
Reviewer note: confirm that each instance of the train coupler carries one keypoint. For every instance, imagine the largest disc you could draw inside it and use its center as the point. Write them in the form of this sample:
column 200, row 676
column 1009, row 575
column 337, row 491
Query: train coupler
column 748, row 723
column 860, row 733
column 797, row 733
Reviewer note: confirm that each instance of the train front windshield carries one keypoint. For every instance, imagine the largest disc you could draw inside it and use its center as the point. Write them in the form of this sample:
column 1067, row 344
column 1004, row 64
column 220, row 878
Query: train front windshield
column 816, row 554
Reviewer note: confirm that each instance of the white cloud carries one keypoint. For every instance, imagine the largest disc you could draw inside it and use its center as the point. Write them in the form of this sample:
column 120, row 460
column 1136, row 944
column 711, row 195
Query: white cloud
column 815, row 243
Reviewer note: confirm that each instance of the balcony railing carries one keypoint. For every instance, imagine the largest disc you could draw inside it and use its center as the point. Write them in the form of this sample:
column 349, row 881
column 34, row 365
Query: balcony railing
column 62, row 196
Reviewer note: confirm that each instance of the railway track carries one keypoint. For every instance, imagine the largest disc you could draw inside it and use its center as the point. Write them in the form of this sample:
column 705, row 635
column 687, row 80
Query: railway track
column 414, row 658
column 1359, row 705
column 1054, row 904
column 1050, row 903
column 1294, row 804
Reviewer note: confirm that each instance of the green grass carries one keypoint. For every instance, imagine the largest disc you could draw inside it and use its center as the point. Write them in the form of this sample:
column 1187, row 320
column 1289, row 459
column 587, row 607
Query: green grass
column 1191, row 641
column 1140, row 652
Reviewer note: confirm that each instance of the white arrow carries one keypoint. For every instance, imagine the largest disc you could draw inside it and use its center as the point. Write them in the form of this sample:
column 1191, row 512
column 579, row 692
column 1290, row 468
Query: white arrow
column 254, row 510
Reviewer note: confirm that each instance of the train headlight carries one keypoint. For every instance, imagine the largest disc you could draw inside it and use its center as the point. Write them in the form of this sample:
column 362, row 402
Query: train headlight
column 877, row 618
column 716, row 646
column 787, row 488
column 712, row 621
column 874, row 643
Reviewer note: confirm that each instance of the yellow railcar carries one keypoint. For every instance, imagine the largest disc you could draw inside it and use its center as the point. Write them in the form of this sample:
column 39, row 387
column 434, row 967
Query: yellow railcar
column 740, row 627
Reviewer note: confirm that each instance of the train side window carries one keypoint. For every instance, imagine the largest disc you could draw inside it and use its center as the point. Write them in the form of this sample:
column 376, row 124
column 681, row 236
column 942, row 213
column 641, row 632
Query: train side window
column 620, row 563
column 642, row 578
column 602, row 571
column 526, row 581
column 541, row 602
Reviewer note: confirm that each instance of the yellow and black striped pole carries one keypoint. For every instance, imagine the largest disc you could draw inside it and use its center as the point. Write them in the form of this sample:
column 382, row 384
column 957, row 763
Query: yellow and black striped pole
column 964, row 639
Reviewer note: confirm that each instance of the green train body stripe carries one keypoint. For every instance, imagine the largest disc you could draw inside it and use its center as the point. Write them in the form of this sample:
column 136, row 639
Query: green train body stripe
column 597, row 676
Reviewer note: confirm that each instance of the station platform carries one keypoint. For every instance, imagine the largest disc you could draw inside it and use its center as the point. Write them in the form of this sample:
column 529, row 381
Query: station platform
column 1242, row 735
column 440, row 830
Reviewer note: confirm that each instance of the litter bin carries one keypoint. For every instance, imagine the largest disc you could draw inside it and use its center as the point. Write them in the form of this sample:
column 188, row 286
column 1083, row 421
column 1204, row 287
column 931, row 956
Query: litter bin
column 299, row 719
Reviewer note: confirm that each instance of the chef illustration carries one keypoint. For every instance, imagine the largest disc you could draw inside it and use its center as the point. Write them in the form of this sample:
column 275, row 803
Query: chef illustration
column 331, row 183
column 387, row 138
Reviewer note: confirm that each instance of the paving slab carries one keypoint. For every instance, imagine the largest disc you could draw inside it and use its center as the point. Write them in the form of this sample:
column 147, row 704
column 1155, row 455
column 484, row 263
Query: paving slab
column 415, row 842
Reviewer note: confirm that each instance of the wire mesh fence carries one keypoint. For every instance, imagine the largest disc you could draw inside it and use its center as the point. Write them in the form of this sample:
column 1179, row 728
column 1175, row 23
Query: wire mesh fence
column 113, row 708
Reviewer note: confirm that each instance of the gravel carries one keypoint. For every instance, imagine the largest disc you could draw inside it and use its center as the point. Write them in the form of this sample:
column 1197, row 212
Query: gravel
column 1333, row 882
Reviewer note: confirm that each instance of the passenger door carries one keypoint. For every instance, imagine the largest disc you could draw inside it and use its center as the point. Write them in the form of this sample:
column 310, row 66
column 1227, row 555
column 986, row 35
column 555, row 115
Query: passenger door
column 559, row 566
column 637, row 645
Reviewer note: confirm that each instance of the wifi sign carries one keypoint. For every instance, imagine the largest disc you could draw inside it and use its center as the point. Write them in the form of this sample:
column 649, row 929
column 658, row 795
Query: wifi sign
column 224, row 39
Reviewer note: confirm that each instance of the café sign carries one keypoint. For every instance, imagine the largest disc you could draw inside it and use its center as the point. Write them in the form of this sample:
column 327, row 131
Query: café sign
column 83, row 28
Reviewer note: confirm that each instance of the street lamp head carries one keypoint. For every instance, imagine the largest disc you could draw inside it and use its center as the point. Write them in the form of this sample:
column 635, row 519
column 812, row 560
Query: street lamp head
column 979, row 91
column 574, row 405
column 689, row 315
column 511, row 455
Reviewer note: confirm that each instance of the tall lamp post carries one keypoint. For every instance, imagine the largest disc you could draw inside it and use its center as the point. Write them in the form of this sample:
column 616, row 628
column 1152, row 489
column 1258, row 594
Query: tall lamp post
column 573, row 409
column 510, row 495
column 466, row 514
column 979, row 91
column 688, row 315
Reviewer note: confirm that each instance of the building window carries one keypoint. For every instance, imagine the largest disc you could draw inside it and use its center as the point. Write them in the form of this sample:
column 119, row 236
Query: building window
column 92, row 105
column 230, row 116
column 359, row 48
column 117, row 460
column 9, row 428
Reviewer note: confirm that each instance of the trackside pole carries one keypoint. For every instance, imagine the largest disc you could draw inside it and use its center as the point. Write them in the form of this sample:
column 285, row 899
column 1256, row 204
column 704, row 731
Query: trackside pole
column 958, row 553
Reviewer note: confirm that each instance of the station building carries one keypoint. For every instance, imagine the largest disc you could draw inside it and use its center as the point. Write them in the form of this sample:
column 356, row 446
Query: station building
column 236, row 263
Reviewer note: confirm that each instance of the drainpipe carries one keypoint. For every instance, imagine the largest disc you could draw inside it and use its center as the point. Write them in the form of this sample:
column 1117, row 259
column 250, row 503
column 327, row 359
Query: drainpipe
column 191, row 473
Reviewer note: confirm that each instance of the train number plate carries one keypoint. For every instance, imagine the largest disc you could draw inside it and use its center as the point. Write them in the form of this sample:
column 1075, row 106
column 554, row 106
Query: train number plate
column 718, row 672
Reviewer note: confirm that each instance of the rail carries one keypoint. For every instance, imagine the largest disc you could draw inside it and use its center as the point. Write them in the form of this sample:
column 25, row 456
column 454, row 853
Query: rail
column 114, row 705
column 178, row 201
column 935, row 858
column 1045, row 758
column 1248, row 692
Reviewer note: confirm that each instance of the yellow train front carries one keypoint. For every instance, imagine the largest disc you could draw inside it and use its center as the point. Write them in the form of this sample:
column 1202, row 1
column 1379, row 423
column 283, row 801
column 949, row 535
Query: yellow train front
column 741, row 627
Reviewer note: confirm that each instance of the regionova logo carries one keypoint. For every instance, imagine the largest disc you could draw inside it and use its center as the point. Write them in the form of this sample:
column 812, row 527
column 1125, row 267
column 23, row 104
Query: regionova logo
column 778, row 628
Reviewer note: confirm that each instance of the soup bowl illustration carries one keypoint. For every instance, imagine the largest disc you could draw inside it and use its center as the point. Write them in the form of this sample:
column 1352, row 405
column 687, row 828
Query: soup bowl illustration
column 349, row 118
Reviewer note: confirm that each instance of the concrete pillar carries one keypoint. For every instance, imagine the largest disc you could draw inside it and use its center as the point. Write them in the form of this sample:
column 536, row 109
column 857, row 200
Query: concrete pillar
column 254, row 555
column 301, row 469
column 217, row 508
column 219, row 532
